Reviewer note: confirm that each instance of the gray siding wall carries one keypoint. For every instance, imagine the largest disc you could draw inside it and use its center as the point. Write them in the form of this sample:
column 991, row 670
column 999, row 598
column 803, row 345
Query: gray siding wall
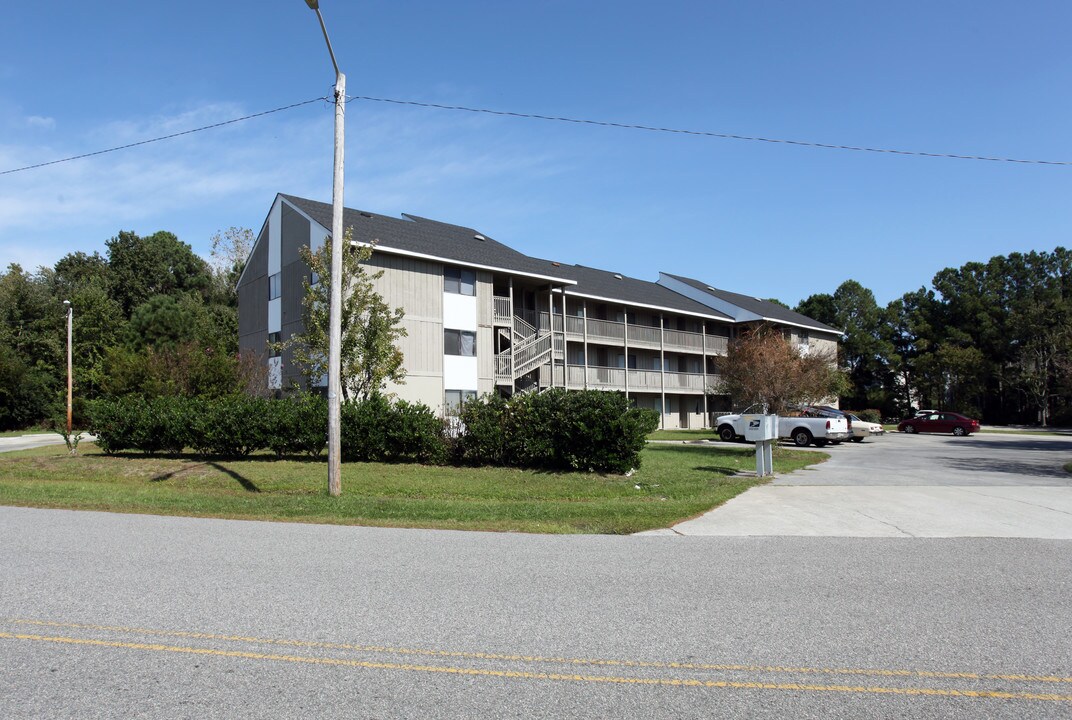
column 294, row 235
column 416, row 286
column 253, row 299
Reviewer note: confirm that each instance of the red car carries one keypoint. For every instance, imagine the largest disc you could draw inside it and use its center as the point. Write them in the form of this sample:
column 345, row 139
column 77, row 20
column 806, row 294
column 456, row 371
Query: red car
column 939, row 422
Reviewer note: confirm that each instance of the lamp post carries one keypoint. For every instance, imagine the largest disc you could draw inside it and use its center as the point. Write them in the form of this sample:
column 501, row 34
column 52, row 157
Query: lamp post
column 70, row 366
column 335, row 310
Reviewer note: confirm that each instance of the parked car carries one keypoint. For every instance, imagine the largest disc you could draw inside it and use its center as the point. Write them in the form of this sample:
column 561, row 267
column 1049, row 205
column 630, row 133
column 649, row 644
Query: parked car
column 825, row 411
column 939, row 422
column 802, row 431
column 862, row 428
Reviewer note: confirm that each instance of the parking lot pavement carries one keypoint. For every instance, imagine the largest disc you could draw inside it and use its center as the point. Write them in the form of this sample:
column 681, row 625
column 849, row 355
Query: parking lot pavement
column 986, row 485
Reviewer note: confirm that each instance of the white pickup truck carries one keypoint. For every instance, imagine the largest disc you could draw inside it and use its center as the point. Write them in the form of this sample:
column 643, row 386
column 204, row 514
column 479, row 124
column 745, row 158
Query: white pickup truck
column 802, row 431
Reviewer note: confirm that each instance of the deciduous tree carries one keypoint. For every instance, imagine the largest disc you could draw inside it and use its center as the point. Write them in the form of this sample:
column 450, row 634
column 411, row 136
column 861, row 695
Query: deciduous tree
column 762, row 366
column 370, row 328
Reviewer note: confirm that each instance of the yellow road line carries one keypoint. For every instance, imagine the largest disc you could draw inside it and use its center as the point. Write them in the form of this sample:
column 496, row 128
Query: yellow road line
column 559, row 660
column 516, row 674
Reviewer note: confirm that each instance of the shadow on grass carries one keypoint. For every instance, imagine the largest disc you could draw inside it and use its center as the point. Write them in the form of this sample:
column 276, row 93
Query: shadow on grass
column 723, row 471
column 245, row 482
column 178, row 471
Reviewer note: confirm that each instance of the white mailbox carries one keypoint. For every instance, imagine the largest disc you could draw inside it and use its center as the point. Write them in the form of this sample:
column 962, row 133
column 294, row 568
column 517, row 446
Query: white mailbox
column 758, row 428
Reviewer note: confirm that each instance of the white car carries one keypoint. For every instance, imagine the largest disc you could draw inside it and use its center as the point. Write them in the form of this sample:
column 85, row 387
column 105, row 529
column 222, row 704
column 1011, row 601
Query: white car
column 862, row 428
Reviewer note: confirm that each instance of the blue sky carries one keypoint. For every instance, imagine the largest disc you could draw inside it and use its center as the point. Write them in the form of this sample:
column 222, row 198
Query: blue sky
column 985, row 78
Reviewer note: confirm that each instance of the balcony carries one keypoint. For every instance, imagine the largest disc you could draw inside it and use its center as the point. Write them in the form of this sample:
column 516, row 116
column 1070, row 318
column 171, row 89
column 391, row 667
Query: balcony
column 609, row 332
column 612, row 378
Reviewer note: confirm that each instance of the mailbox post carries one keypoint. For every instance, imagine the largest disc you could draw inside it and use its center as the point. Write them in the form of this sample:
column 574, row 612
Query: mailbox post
column 763, row 431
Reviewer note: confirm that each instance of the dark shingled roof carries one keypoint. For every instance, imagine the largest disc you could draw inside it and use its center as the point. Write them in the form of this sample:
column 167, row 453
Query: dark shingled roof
column 763, row 308
column 428, row 237
column 615, row 286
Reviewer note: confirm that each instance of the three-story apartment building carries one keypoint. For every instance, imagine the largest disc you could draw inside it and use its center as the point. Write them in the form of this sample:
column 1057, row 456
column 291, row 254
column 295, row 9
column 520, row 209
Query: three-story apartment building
column 482, row 317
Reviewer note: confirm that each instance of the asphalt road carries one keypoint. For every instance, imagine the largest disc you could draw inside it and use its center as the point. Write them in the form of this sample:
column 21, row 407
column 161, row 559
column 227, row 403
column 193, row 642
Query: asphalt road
column 106, row 615
column 985, row 485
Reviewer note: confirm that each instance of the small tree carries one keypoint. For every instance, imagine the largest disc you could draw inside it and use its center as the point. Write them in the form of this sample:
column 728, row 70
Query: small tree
column 370, row 327
column 764, row 367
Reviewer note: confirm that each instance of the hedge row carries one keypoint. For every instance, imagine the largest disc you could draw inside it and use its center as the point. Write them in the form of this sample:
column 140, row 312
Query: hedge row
column 556, row 430
column 240, row 425
column 593, row 431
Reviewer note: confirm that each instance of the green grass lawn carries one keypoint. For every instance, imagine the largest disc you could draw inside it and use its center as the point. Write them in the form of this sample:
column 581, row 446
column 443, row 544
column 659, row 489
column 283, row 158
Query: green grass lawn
column 675, row 482
column 683, row 435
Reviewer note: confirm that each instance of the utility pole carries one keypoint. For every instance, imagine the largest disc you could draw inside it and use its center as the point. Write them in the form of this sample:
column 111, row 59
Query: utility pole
column 70, row 365
column 335, row 309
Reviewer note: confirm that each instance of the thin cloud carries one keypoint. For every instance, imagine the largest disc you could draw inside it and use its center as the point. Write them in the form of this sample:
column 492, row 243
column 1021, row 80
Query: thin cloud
column 38, row 121
column 396, row 162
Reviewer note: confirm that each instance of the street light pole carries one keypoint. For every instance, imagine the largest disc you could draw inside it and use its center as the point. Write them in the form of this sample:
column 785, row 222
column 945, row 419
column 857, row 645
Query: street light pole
column 70, row 365
column 335, row 309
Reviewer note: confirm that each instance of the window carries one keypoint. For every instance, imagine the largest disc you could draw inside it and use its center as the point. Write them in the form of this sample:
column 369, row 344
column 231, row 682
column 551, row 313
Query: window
column 273, row 343
column 273, row 286
column 805, row 338
column 454, row 399
column 459, row 281
column 314, row 278
column 459, row 342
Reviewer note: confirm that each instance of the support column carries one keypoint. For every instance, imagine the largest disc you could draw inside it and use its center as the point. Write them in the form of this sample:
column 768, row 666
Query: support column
column 551, row 328
column 625, row 326
column 706, row 413
column 584, row 315
column 513, row 340
column 662, row 372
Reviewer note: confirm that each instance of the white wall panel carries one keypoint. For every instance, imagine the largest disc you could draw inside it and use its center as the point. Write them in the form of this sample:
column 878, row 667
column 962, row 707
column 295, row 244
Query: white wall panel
column 275, row 233
column 459, row 313
column 275, row 314
column 459, row 373
column 317, row 235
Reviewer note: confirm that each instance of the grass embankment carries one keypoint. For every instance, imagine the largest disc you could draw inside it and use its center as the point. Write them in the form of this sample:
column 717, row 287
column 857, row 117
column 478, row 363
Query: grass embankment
column 674, row 483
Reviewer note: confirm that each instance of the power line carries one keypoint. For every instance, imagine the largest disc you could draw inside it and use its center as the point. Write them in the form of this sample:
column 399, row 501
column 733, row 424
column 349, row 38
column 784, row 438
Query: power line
column 726, row 136
column 163, row 137
column 534, row 116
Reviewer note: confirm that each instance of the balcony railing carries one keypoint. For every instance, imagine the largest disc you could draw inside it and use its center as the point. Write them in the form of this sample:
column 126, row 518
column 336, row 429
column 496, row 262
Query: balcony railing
column 502, row 310
column 646, row 336
column 613, row 378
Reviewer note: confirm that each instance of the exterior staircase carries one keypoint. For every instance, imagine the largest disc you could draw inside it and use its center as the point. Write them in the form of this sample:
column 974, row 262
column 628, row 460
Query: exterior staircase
column 531, row 349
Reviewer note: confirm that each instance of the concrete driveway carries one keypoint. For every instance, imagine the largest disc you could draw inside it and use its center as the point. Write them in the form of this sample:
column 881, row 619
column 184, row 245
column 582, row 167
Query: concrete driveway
column 31, row 440
column 986, row 485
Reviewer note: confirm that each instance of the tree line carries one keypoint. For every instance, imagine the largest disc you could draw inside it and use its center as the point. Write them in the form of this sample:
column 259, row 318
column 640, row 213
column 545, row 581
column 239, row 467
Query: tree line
column 151, row 317
column 992, row 340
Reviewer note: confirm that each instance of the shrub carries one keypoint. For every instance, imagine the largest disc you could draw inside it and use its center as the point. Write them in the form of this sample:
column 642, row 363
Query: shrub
column 416, row 433
column 868, row 415
column 483, row 439
column 558, row 430
column 230, row 427
column 308, row 433
column 375, row 430
column 112, row 426
column 296, row 425
column 133, row 423
column 364, row 429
